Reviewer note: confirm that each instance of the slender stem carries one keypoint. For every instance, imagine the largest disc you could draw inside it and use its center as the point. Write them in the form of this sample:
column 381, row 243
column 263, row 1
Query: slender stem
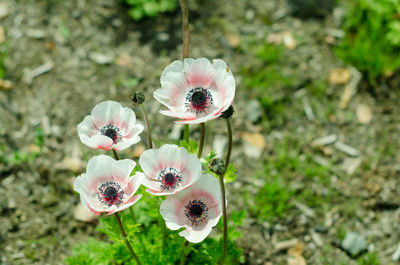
column 185, row 48
column 184, row 250
column 186, row 132
column 185, row 28
column 164, row 235
column 125, row 236
column 225, row 219
column 148, row 127
column 228, row 153
column 115, row 155
column 203, row 132
column 222, row 186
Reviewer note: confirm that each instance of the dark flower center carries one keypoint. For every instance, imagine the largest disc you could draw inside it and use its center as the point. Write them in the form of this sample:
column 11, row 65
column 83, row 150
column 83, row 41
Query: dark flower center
column 169, row 178
column 196, row 210
column 198, row 99
column 110, row 193
column 111, row 133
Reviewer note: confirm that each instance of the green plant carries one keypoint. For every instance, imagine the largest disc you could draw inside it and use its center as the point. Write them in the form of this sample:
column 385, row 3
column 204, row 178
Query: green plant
column 372, row 39
column 3, row 55
column 368, row 259
column 148, row 8
column 272, row 200
column 147, row 242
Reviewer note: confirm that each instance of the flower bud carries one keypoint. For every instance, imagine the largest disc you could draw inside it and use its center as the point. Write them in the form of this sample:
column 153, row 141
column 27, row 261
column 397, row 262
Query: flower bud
column 137, row 97
column 217, row 166
column 228, row 113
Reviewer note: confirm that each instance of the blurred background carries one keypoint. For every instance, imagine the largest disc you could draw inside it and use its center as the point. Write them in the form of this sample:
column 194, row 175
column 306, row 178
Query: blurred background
column 316, row 127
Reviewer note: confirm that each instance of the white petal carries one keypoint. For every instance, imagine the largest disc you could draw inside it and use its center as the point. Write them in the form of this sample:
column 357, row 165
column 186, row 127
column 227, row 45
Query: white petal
column 98, row 168
column 196, row 236
column 126, row 120
column 131, row 202
column 180, row 115
column 89, row 127
column 97, row 141
column 121, row 170
column 201, row 73
column 192, row 171
column 210, row 184
column 174, row 156
column 172, row 210
column 107, row 111
column 131, row 140
column 134, row 183
column 149, row 162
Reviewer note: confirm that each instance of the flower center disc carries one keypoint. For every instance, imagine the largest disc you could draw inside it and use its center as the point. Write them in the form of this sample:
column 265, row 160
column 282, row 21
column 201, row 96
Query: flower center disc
column 111, row 133
column 169, row 179
column 198, row 99
column 196, row 210
column 110, row 193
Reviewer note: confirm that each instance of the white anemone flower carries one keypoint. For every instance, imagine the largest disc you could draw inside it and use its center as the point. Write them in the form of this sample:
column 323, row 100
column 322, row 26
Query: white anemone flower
column 197, row 209
column 110, row 126
column 107, row 185
column 169, row 169
column 195, row 90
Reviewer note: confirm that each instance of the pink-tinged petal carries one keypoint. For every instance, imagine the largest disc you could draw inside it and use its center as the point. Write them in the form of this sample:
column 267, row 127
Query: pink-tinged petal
column 199, row 120
column 173, row 83
column 208, row 184
column 99, row 167
column 125, row 143
column 89, row 126
column 172, row 211
column 126, row 120
column 126, row 205
column 173, row 156
column 97, row 141
column 180, row 115
column 150, row 164
column 132, row 137
column 80, row 184
column 201, row 73
column 192, row 171
column 106, row 111
column 194, row 236
column 134, row 183
column 121, row 170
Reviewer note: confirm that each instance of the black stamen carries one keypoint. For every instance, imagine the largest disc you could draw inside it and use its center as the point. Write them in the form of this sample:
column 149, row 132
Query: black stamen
column 110, row 193
column 169, row 178
column 196, row 210
column 111, row 133
column 198, row 99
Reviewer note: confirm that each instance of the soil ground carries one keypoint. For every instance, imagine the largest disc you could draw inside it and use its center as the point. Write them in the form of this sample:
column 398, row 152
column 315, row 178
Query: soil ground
column 93, row 52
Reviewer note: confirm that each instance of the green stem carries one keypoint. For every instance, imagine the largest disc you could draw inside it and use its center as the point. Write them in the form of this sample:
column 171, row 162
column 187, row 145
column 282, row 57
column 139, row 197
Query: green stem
column 185, row 28
column 148, row 127
column 184, row 254
column 201, row 144
column 225, row 219
column 115, row 155
column 222, row 187
column 164, row 235
column 125, row 236
column 186, row 133
column 228, row 153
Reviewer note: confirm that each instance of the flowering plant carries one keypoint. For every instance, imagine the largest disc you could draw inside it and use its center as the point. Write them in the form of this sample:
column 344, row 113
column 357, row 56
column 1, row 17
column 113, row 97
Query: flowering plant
column 190, row 196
